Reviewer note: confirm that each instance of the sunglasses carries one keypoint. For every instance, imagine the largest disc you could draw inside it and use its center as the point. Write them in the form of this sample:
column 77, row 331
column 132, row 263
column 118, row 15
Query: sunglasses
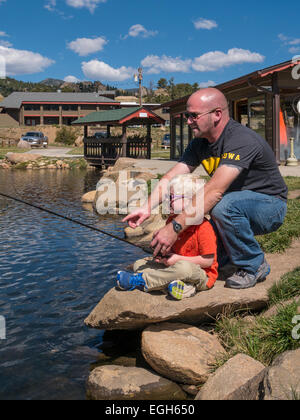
column 195, row 115
column 174, row 197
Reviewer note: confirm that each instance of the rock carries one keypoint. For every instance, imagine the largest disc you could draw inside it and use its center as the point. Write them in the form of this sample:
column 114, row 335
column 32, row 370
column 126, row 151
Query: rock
column 190, row 389
column 273, row 310
column 119, row 310
column 132, row 233
column 130, row 383
column 79, row 141
column 16, row 158
column 51, row 166
column 89, row 197
column 4, row 165
column 180, row 352
column 59, row 164
column 123, row 163
column 282, row 381
column 238, row 379
column 23, row 145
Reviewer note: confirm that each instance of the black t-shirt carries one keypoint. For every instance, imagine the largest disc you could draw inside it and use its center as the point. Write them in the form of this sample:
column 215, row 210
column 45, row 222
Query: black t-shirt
column 239, row 146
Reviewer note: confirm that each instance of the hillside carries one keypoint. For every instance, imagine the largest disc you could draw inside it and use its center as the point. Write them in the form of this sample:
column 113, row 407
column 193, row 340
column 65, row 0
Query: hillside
column 163, row 92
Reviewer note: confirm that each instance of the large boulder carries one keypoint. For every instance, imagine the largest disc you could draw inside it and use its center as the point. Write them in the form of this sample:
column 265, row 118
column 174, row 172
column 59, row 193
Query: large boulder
column 119, row 310
column 282, row 381
column 180, row 352
column 130, row 383
column 16, row 158
column 89, row 197
column 238, row 379
column 23, row 145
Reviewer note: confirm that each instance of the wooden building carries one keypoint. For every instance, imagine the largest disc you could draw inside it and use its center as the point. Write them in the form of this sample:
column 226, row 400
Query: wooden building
column 53, row 108
column 268, row 101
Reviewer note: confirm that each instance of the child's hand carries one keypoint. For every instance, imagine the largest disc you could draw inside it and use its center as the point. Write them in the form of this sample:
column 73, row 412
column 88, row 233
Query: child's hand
column 171, row 260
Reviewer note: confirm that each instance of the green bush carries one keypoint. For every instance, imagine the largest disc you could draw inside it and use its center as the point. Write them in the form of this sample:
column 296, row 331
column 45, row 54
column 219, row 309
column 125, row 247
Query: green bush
column 65, row 136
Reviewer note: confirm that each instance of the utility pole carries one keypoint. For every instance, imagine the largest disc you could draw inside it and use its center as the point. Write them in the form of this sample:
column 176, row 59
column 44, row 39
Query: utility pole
column 139, row 78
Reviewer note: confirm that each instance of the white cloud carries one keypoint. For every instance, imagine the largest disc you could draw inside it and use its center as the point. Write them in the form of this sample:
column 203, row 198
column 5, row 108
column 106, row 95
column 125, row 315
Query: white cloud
column 5, row 44
column 86, row 46
column 215, row 60
column 139, row 30
column 50, row 5
column 292, row 43
column 98, row 70
column 23, row 62
column 91, row 5
column 2, row 1
column 2, row 33
column 156, row 64
column 209, row 83
column 71, row 79
column 202, row 23
column 294, row 50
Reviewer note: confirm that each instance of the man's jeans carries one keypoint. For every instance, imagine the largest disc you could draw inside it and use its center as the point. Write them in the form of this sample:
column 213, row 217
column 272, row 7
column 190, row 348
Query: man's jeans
column 241, row 215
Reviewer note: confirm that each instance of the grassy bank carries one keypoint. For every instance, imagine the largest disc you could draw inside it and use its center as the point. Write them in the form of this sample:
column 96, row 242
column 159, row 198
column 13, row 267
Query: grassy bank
column 263, row 337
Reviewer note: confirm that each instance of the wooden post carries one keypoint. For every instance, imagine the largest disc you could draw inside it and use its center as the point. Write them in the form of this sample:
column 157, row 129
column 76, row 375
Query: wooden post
column 85, row 131
column 124, row 141
column 108, row 131
column 149, row 141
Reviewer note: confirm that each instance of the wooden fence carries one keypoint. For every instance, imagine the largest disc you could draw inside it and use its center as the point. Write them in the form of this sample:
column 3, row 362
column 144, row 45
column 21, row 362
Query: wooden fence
column 105, row 152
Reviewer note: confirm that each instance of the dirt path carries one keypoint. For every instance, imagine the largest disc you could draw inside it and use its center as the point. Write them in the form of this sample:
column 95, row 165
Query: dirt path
column 283, row 263
column 59, row 152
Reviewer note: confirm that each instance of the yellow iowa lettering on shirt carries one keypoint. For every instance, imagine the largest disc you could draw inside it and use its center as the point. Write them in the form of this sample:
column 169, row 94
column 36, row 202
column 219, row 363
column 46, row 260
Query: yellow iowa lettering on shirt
column 211, row 164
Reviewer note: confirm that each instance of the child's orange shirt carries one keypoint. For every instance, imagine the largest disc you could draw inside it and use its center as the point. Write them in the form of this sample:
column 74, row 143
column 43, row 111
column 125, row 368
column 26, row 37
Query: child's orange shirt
column 196, row 241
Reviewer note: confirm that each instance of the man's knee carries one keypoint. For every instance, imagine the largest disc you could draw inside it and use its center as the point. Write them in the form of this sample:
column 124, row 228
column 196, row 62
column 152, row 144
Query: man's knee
column 221, row 209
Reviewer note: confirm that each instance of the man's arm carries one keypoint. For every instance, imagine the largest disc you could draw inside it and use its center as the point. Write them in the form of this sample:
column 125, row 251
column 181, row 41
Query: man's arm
column 136, row 218
column 213, row 193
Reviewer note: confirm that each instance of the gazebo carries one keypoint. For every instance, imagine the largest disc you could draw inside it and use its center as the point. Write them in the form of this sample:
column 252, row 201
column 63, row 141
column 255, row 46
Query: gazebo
column 105, row 151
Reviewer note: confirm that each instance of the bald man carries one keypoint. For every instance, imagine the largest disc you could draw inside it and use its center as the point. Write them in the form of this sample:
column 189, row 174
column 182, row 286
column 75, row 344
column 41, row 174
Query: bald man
column 246, row 195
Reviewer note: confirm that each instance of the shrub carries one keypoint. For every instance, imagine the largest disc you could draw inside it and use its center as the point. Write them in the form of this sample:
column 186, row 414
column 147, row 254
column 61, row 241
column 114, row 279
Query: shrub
column 65, row 136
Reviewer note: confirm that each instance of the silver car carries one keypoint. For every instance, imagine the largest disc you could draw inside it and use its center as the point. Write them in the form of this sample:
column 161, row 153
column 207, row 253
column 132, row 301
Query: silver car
column 36, row 139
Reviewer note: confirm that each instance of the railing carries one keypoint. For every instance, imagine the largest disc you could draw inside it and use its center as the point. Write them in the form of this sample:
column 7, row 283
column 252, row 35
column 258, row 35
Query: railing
column 105, row 152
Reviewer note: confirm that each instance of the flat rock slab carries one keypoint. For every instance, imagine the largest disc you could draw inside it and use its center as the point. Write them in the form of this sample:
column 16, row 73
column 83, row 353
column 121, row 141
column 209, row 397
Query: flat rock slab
column 120, row 310
column 130, row 383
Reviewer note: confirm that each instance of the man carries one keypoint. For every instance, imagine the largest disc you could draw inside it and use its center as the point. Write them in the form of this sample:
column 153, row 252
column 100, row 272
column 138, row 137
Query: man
column 246, row 195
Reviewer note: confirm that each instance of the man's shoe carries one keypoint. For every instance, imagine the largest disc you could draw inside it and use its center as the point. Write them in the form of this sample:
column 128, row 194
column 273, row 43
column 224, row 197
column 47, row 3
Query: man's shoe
column 130, row 281
column 263, row 271
column 179, row 290
column 241, row 280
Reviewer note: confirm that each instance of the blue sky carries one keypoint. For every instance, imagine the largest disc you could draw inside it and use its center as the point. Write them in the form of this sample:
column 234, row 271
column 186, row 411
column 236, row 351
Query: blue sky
column 107, row 40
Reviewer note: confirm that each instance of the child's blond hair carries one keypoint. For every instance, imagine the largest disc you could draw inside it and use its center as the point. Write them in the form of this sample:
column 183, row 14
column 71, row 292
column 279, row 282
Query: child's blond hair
column 186, row 185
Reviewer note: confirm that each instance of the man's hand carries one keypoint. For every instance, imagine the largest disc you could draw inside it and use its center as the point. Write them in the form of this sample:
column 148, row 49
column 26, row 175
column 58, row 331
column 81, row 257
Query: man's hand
column 163, row 240
column 136, row 218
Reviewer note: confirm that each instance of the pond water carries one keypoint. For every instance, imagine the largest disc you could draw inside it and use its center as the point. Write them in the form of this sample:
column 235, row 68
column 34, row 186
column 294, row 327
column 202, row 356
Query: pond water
column 52, row 274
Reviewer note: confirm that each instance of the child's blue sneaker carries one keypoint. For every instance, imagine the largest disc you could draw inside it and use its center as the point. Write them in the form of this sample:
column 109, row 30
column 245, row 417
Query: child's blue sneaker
column 130, row 281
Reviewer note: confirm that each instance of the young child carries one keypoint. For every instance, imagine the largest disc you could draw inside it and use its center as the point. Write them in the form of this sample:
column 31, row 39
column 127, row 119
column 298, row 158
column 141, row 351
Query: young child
column 191, row 267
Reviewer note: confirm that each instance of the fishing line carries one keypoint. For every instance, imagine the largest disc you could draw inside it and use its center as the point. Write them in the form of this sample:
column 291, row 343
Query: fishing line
column 53, row 213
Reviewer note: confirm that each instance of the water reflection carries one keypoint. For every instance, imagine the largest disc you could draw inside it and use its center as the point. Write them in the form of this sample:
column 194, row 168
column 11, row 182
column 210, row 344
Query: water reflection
column 52, row 274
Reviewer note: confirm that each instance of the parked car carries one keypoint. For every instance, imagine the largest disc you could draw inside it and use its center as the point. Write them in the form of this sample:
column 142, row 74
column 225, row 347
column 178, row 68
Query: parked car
column 36, row 139
column 166, row 140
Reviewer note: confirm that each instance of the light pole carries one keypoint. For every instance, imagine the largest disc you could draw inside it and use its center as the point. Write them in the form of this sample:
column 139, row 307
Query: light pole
column 139, row 78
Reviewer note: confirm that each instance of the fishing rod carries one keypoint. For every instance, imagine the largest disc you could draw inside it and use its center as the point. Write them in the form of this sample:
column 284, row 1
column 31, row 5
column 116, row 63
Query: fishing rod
column 148, row 250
